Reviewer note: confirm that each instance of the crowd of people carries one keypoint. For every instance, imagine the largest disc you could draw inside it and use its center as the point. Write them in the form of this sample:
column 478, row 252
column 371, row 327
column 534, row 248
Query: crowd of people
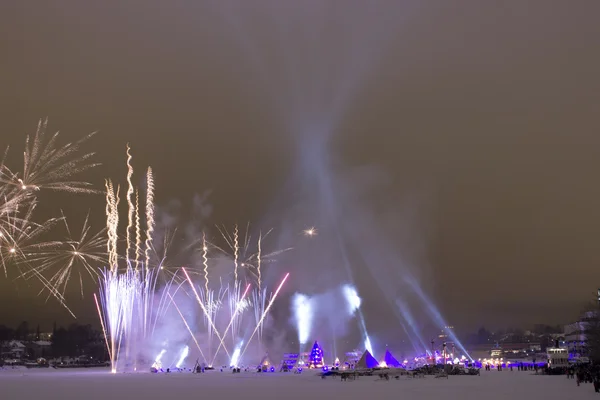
column 585, row 373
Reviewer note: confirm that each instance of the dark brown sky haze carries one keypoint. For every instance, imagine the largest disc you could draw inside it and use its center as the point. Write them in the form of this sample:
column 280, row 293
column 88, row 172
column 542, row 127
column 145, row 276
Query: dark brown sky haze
column 482, row 116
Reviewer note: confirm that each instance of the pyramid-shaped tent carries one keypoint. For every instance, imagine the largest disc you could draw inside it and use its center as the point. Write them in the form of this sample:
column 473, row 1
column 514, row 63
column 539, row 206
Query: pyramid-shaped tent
column 366, row 361
column 266, row 361
column 390, row 360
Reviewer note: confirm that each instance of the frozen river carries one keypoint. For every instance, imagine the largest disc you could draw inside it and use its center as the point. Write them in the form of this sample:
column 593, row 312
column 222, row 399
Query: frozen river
column 101, row 385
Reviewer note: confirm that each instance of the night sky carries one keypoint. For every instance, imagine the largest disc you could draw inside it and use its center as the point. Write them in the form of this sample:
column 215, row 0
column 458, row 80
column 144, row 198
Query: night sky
column 480, row 118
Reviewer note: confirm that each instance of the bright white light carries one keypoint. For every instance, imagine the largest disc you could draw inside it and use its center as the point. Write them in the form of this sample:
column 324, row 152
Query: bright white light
column 310, row 232
column 184, row 354
column 303, row 313
column 352, row 298
column 235, row 357
column 157, row 361
column 368, row 345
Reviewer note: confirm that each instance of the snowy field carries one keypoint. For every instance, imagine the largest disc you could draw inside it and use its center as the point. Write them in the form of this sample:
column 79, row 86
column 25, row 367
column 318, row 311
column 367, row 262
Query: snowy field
column 101, row 385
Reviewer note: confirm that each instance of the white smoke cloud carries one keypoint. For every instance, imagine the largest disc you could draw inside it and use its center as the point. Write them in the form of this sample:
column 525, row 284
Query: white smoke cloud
column 302, row 311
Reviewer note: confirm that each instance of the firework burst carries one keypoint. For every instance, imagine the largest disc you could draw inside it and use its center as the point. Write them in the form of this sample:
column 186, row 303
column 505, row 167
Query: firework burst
column 21, row 241
column 79, row 255
column 46, row 166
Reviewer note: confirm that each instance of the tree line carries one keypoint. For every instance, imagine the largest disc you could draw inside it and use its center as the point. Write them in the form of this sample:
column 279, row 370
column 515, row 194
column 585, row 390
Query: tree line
column 72, row 341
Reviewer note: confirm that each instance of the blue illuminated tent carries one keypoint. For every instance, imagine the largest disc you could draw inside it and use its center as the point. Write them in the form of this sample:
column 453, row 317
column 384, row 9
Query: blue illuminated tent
column 390, row 360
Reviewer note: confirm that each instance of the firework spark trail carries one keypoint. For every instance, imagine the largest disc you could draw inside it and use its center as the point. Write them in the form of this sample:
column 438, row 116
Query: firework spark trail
column 258, row 260
column 234, row 301
column 236, row 250
column 188, row 327
column 138, row 230
column 213, row 305
column 205, row 261
column 149, row 302
column 103, row 326
column 109, row 232
column 207, row 298
column 149, row 214
column 265, row 313
column 259, row 300
column 128, row 297
column 210, row 321
column 237, row 310
column 53, row 292
column 112, row 292
column 130, row 208
column 249, row 261
column 163, row 305
column 112, row 224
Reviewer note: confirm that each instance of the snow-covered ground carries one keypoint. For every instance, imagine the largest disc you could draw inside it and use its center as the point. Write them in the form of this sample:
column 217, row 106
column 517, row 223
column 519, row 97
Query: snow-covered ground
column 101, row 385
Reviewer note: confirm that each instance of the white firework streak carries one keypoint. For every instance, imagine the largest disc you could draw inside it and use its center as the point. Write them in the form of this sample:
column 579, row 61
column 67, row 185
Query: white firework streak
column 130, row 206
column 238, row 310
column 149, row 214
column 265, row 313
column 259, row 298
column 138, row 230
column 203, row 307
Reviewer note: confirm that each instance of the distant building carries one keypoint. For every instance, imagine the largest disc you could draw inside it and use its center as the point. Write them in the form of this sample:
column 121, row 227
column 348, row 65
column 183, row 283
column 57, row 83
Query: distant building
column 14, row 349
column 40, row 348
column 575, row 337
column 446, row 332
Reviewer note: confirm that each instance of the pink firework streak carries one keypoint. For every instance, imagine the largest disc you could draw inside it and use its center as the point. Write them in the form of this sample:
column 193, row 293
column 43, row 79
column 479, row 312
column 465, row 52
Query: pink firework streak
column 266, row 312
